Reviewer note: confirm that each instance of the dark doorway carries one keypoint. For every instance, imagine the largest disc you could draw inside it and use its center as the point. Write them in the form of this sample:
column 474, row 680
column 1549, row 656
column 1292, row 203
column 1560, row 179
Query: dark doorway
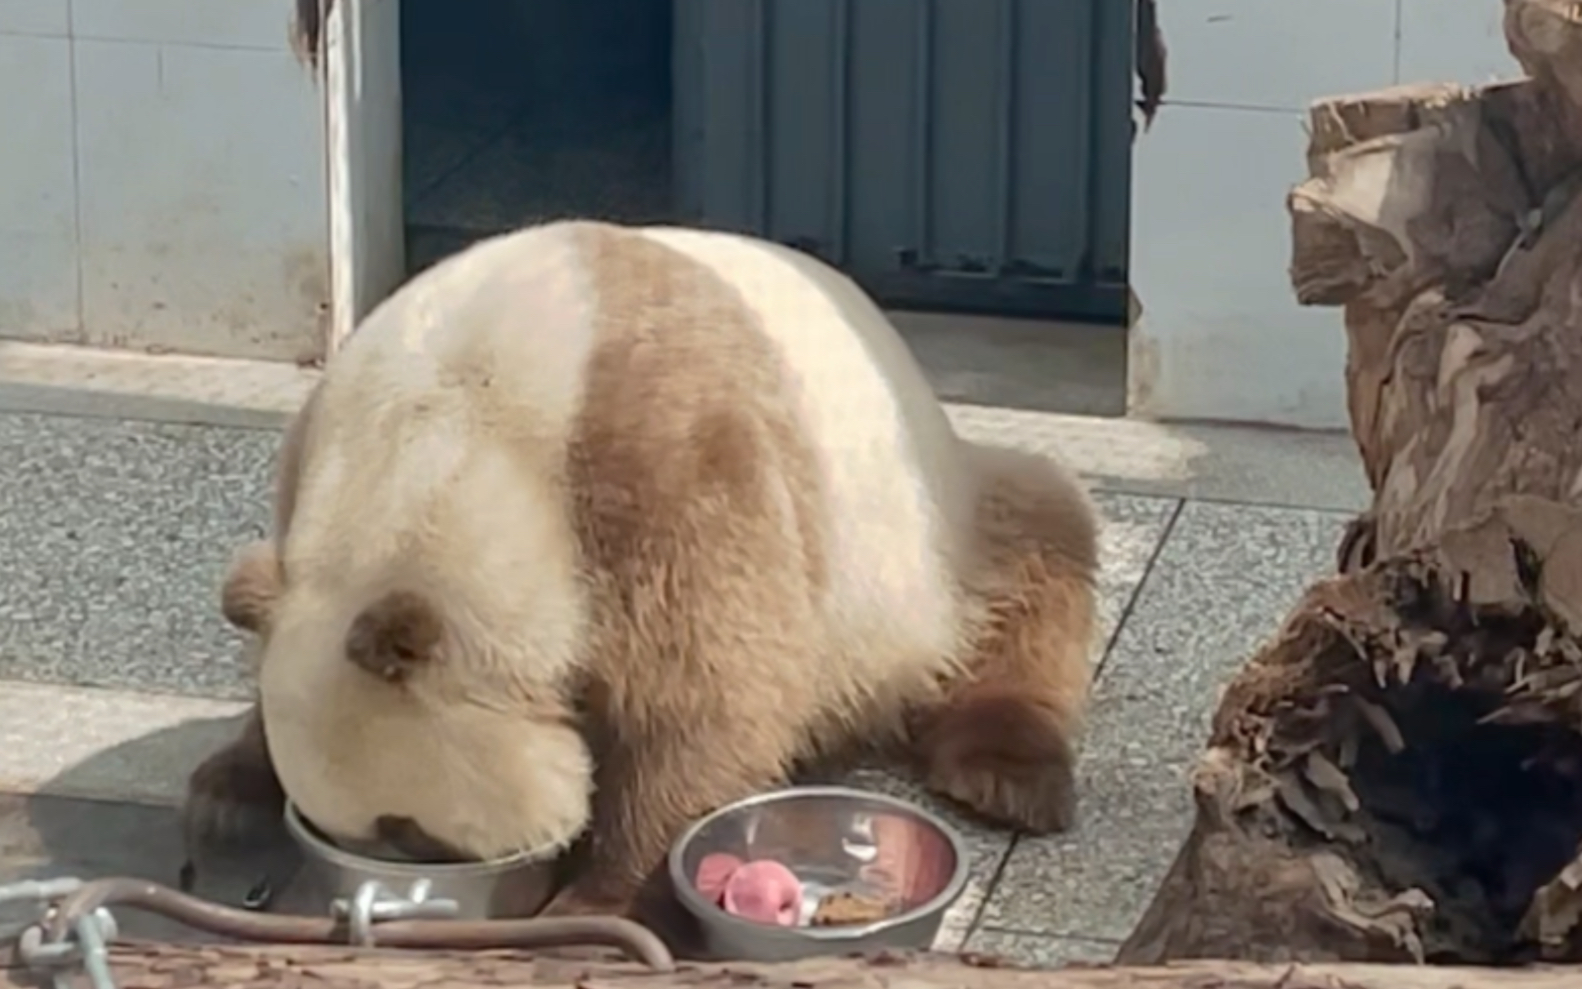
column 516, row 111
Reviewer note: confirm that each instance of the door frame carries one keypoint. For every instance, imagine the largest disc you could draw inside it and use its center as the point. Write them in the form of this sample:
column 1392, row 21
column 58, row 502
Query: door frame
column 361, row 46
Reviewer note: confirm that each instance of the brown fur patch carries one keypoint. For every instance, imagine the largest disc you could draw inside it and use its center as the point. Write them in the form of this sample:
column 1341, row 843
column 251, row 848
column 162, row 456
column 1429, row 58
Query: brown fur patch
column 394, row 635
column 1004, row 742
column 699, row 511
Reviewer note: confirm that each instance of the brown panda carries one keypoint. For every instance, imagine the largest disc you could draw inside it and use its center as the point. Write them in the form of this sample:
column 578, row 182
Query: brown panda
column 591, row 529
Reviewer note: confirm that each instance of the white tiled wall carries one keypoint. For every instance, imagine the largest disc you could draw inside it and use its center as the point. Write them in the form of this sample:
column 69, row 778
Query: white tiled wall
column 38, row 203
column 1453, row 40
column 162, row 183
column 39, row 18
column 1278, row 53
column 1221, row 336
column 161, row 178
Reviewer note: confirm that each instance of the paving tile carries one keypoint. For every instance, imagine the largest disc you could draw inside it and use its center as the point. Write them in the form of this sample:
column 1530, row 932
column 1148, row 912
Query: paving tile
column 1172, row 460
column 1096, row 880
column 113, row 538
column 1133, row 527
column 1222, row 584
column 1041, row 950
column 1223, row 581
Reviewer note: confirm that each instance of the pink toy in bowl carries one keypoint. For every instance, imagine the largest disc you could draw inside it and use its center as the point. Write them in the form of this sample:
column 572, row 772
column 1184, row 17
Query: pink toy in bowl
column 763, row 891
column 818, row 870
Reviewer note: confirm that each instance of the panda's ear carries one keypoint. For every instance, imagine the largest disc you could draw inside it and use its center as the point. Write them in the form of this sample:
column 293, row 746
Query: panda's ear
column 252, row 586
column 394, row 634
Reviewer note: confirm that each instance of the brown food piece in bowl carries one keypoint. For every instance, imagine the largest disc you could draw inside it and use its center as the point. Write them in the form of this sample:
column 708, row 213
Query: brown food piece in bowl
column 843, row 908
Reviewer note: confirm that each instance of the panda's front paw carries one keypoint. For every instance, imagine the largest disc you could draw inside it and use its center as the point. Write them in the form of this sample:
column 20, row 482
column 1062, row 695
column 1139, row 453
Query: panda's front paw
column 234, row 798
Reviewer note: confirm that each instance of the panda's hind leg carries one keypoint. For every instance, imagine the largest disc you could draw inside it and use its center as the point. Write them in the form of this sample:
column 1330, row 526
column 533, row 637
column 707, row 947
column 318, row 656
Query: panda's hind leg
column 1004, row 739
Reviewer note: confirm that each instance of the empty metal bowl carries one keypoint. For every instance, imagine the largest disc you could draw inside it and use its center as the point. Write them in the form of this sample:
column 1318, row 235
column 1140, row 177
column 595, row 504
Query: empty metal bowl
column 515, row 886
column 836, row 840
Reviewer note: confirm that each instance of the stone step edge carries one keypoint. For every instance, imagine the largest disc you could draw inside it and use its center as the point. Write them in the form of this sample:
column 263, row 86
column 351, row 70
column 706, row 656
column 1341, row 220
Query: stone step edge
column 102, row 383
column 111, row 745
column 1180, row 460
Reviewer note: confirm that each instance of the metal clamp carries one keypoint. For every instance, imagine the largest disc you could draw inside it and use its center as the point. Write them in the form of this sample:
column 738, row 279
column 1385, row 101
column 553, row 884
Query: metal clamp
column 84, row 944
column 75, row 925
column 374, row 902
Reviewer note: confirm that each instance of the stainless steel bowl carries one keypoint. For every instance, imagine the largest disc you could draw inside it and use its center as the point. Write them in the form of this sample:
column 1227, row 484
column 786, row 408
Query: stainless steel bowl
column 516, row 886
column 832, row 838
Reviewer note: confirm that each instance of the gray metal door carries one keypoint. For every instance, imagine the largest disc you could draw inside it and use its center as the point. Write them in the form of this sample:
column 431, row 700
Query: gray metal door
column 963, row 155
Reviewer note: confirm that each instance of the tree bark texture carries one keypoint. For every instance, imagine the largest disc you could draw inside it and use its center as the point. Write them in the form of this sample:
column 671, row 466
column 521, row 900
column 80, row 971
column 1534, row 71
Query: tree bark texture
column 175, row 966
column 1397, row 776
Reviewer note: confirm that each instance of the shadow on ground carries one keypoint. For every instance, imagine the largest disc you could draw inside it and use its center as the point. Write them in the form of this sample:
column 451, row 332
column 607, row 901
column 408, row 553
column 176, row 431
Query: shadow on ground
column 115, row 814
column 62, row 831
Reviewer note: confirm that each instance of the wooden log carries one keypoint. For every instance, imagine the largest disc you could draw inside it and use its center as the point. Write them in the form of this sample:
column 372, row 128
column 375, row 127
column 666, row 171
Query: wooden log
column 1397, row 776
column 174, row 966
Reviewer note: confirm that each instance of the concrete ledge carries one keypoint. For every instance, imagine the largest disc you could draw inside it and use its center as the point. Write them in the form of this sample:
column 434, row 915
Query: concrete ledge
column 85, row 381
column 1040, row 365
column 1245, row 464
column 107, row 744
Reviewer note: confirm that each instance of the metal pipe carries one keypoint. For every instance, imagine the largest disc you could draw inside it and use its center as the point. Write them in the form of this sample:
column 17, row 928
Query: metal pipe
column 538, row 932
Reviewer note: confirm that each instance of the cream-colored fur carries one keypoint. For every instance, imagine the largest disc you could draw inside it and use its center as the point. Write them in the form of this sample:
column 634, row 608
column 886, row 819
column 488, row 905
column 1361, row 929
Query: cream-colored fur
column 680, row 509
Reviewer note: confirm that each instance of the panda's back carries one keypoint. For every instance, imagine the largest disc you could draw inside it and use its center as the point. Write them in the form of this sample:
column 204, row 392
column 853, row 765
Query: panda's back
column 898, row 500
column 501, row 338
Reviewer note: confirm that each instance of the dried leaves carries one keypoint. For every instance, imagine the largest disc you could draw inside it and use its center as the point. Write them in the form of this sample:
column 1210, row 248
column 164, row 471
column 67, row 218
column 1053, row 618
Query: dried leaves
column 1293, row 726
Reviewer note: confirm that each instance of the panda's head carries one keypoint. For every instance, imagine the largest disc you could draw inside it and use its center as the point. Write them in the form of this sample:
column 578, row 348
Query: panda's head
column 503, row 768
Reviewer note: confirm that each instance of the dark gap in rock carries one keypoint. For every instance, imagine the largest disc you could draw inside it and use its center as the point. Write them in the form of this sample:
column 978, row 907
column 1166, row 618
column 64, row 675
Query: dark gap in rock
column 1478, row 816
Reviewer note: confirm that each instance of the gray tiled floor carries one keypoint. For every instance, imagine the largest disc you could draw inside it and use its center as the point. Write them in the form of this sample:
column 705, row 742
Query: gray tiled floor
column 112, row 539
column 1218, row 588
column 113, row 534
